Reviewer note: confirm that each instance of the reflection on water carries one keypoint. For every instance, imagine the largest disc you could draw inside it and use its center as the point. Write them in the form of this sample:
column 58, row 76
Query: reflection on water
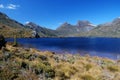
column 104, row 47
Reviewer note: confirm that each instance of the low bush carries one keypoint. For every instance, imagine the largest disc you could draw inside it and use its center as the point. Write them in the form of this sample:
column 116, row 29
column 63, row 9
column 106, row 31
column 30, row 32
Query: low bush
column 42, row 57
column 113, row 68
column 87, row 77
column 49, row 72
column 88, row 67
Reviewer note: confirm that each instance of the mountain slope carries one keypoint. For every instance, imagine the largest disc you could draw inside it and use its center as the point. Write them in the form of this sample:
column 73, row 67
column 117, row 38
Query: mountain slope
column 66, row 29
column 111, row 29
column 10, row 28
column 4, row 19
column 69, row 30
column 43, row 32
column 85, row 26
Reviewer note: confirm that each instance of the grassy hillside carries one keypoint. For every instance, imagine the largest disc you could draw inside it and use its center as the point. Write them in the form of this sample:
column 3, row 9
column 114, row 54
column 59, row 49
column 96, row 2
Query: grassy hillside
column 9, row 27
column 17, row 63
column 8, row 31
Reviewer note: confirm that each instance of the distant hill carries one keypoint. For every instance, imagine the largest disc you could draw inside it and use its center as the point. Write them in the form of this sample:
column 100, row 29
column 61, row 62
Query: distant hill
column 111, row 29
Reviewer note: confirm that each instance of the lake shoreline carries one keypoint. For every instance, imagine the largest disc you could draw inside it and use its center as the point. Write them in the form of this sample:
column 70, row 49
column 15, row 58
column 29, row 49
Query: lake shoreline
column 65, row 37
column 102, row 47
column 49, row 65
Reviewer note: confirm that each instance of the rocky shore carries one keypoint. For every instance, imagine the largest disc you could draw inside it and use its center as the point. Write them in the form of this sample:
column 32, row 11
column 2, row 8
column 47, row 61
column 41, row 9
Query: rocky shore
column 18, row 63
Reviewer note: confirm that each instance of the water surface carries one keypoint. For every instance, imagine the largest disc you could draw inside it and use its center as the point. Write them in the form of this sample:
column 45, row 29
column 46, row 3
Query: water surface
column 103, row 47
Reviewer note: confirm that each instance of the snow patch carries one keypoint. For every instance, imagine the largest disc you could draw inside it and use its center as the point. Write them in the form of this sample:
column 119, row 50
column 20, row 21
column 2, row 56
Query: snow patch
column 92, row 25
column 27, row 22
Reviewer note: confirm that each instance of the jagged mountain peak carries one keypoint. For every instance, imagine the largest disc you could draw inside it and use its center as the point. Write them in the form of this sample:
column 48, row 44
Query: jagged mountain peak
column 83, row 23
column 65, row 24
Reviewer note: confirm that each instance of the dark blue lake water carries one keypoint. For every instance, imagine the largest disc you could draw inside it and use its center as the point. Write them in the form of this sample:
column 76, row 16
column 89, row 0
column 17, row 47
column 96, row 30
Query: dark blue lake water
column 103, row 47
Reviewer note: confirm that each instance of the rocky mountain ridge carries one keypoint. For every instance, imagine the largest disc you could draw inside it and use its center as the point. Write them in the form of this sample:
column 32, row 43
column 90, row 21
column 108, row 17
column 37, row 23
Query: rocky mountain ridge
column 10, row 27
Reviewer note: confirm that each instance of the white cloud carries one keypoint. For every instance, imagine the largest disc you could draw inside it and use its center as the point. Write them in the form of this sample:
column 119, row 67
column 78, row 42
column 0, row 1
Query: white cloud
column 1, row 6
column 9, row 6
column 12, row 6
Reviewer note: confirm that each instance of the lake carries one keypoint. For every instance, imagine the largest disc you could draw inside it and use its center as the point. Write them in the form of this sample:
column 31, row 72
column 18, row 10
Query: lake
column 103, row 47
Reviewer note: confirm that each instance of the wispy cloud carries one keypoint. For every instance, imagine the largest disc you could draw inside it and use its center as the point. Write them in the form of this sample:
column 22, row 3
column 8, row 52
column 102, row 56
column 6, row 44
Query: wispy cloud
column 1, row 6
column 12, row 6
column 9, row 6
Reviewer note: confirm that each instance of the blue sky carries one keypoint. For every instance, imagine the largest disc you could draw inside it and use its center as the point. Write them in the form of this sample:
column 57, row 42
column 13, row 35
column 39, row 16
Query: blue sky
column 52, row 13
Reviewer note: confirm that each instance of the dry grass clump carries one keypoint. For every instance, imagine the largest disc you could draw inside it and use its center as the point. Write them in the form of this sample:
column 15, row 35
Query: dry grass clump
column 65, row 69
column 88, row 67
column 87, row 77
column 113, row 68
column 27, row 63
column 24, row 64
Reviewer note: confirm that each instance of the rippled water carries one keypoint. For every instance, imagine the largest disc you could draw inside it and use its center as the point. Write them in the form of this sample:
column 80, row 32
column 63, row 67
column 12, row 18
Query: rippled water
column 104, row 47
